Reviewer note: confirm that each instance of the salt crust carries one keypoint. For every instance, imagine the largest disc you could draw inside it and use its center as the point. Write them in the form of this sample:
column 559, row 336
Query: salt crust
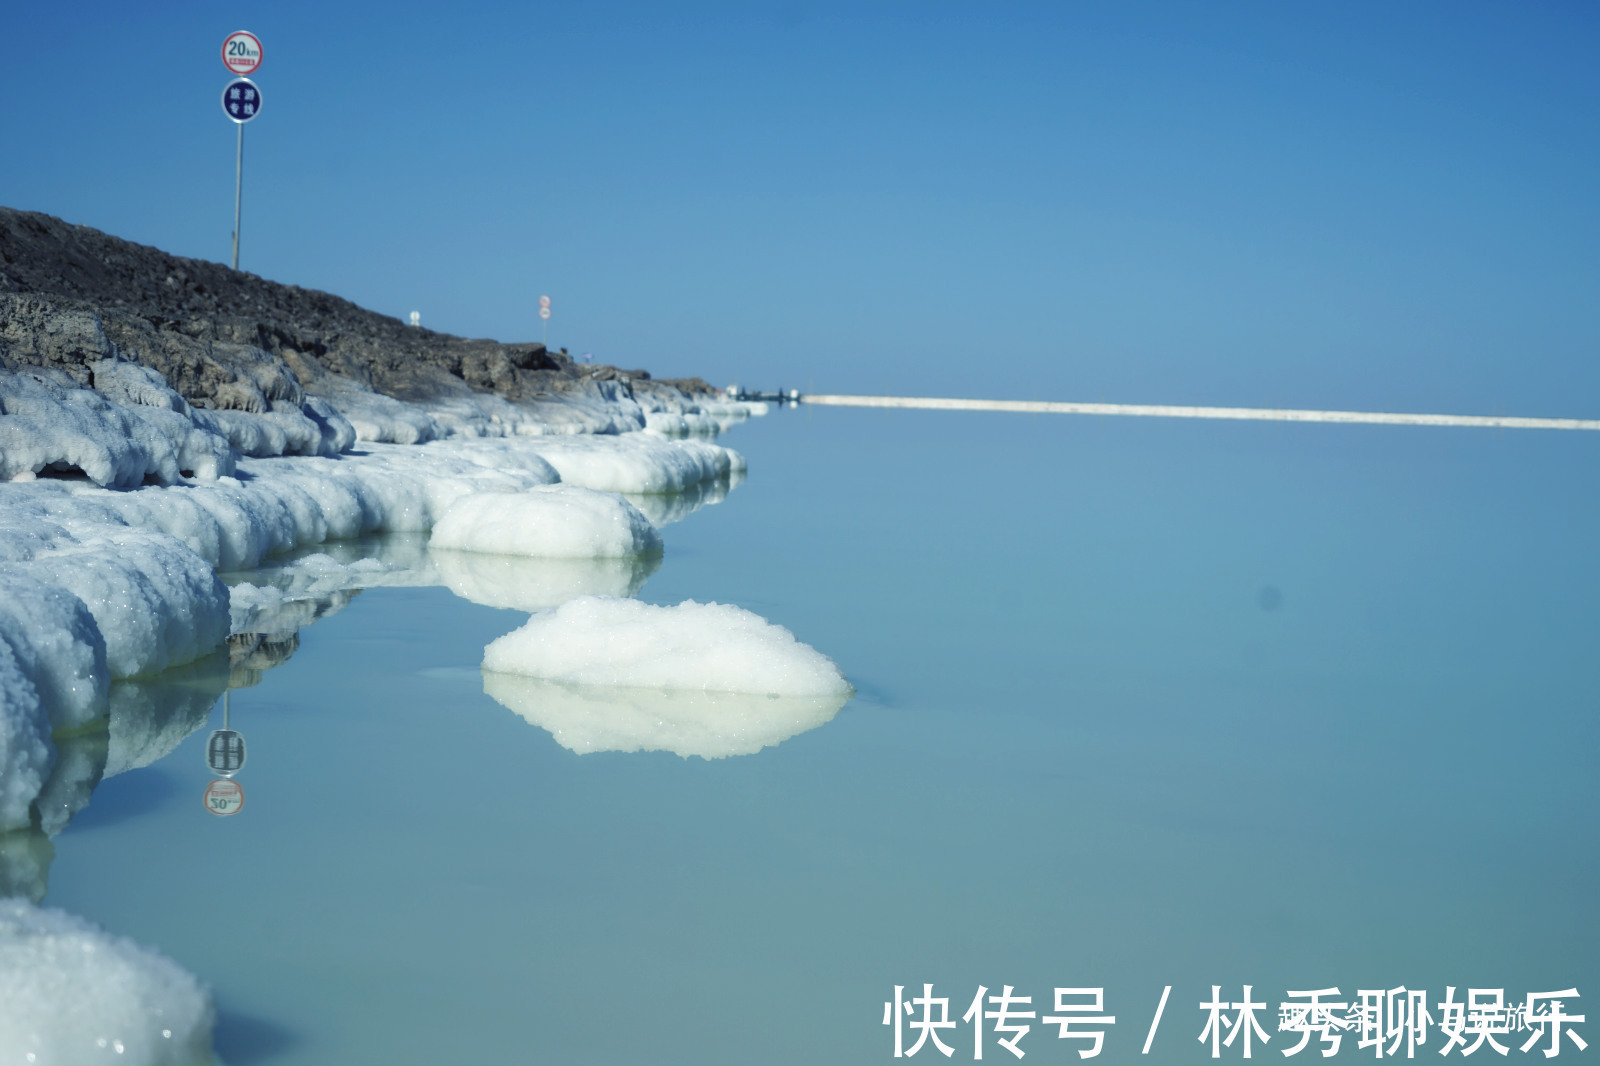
column 638, row 463
column 109, row 576
column 104, row 592
column 71, row 994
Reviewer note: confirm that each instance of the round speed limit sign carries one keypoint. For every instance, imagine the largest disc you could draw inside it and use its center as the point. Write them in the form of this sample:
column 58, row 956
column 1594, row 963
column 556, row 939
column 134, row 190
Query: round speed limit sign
column 224, row 797
column 241, row 53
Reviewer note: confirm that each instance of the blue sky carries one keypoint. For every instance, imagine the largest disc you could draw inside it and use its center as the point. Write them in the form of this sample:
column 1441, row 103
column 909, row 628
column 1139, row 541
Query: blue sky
column 1349, row 204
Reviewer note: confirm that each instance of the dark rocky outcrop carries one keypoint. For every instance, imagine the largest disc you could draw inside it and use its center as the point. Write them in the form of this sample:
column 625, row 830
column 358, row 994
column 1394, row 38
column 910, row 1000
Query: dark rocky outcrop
column 224, row 338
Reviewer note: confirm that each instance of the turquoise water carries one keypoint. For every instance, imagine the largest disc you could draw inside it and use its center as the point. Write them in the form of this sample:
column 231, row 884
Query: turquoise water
column 1139, row 704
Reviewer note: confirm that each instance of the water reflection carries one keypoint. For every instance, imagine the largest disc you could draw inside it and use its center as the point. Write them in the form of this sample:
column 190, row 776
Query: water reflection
column 525, row 584
column 712, row 725
column 25, row 858
column 152, row 716
column 80, row 764
column 666, row 508
column 302, row 588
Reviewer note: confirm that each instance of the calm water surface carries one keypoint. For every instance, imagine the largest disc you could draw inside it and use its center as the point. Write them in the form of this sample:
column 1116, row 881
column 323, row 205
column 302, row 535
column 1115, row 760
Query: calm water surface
column 1139, row 704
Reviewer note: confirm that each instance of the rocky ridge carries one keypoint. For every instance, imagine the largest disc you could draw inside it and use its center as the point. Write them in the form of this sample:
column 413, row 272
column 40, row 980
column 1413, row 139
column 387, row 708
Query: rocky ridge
column 72, row 296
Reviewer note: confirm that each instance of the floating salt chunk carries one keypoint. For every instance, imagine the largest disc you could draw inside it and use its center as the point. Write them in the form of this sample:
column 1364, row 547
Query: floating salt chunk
column 693, row 647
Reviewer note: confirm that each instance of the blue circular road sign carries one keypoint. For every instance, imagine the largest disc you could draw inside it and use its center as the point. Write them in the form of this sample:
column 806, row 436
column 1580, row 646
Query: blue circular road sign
column 241, row 100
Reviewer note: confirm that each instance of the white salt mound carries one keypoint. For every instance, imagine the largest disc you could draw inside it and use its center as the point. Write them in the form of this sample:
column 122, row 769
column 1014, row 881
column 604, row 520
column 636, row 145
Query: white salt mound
column 637, row 462
column 697, row 647
column 71, row 994
column 558, row 521
column 712, row 725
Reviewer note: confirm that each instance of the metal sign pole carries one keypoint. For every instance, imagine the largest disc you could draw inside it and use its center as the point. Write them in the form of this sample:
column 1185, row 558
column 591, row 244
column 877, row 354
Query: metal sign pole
column 238, row 187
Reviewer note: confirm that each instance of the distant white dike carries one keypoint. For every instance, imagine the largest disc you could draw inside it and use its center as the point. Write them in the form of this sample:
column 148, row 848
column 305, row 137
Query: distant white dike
column 1251, row 414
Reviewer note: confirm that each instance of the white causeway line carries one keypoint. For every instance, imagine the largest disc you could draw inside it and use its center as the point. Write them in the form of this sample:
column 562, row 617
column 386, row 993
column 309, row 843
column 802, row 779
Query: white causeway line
column 1254, row 414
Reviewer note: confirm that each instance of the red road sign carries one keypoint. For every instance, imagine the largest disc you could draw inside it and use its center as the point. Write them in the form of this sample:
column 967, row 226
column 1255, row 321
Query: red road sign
column 241, row 53
column 224, row 797
column 544, row 301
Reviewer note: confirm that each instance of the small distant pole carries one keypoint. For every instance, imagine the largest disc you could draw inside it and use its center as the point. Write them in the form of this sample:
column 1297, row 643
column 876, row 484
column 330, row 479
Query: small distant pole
column 544, row 316
column 238, row 193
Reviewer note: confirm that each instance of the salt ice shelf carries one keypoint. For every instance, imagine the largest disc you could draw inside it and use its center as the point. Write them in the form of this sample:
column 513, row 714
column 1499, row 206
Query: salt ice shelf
column 712, row 725
column 554, row 520
column 122, row 501
column 72, row 994
column 637, row 463
column 705, row 647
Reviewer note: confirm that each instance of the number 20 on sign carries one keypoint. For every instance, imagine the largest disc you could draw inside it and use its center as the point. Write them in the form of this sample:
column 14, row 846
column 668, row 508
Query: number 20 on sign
column 224, row 797
column 241, row 53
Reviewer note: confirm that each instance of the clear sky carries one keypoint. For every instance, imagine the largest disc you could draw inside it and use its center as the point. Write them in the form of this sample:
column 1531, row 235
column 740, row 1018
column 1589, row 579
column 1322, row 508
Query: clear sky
column 1369, row 205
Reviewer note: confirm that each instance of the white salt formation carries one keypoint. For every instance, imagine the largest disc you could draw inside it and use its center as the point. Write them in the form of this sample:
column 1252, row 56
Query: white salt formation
column 693, row 647
column 712, row 725
column 642, row 463
column 553, row 521
column 119, row 501
column 702, row 679
column 72, row 994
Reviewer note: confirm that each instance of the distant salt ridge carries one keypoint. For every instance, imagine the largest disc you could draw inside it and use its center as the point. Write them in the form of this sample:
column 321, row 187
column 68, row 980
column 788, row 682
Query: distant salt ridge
column 72, row 994
column 693, row 647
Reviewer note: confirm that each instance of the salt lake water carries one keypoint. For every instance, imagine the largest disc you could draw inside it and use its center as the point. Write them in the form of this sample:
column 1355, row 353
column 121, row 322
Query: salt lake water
column 1138, row 704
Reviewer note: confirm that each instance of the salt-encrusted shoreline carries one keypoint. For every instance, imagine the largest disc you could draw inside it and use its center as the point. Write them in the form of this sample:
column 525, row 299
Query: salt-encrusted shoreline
column 123, row 498
column 110, row 597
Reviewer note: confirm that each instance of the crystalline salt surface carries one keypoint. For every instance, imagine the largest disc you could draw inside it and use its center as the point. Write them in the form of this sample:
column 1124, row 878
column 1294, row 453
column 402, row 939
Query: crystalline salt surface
column 69, row 992
column 703, row 647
